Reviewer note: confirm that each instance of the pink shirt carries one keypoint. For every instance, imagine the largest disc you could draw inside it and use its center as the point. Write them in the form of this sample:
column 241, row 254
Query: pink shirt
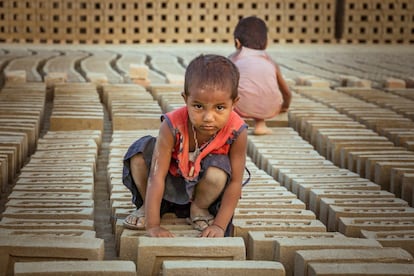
column 259, row 92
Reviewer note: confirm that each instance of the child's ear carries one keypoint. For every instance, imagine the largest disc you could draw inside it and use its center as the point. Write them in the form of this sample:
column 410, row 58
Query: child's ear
column 237, row 43
column 236, row 100
column 184, row 96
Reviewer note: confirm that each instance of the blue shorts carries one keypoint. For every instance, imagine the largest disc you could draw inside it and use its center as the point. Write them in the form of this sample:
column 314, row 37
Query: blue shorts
column 178, row 191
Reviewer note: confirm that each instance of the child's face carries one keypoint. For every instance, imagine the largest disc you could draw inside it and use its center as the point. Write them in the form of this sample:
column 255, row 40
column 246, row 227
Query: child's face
column 209, row 110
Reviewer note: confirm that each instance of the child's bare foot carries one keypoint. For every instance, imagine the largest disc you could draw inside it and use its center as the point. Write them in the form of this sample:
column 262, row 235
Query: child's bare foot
column 200, row 218
column 260, row 128
column 262, row 131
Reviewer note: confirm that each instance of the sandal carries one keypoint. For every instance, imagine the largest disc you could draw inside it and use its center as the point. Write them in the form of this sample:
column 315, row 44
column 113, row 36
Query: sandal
column 139, row 216
column 201, row 222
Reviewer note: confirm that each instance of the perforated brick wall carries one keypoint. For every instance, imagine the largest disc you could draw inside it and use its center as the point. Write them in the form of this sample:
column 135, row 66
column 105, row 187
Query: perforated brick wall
column 203, row 21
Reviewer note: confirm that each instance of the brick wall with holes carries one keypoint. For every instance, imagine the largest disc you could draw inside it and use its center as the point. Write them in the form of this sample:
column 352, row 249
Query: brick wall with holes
column 203, row 21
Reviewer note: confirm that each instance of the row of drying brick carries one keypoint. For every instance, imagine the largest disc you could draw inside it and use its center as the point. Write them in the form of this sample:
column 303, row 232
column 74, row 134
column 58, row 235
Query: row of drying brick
column 49, row 214
column 262, row 207
column 353, row 206
column 342, row 136
column 21, row 118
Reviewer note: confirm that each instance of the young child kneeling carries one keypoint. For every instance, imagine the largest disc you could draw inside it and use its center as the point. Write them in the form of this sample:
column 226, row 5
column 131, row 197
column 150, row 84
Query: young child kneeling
column 194, row 167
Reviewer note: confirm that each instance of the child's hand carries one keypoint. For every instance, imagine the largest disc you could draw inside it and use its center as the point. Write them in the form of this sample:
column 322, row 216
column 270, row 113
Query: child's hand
column 159, row 232
column 212, row 231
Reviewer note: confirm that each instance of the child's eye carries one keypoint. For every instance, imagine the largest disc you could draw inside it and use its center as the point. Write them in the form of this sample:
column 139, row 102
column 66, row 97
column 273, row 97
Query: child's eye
column 220, row 107
column 198, row 106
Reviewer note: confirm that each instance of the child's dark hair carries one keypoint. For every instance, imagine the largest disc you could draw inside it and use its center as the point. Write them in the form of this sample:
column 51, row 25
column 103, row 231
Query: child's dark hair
column 212, row 72
column 251, row 32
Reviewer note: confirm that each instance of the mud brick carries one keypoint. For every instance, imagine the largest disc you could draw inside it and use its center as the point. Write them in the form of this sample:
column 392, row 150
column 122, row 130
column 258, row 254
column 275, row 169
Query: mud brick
column 332, row 269
column 3, row 173
column 276, row 203
column 383, row 170
column 322, row 136
column 20, row 248
column 222, row 267
column 260, row 244
column 132, row 121
column 364, row 255
column 325, row 203
column 13, row 223
column 12, row 148
column 397, row 175
column 260, row 182
column 57, row 188
column 296, row 183
column 28, row 131
column 52, row 78
column 352, row 227
column 269, row 195
column 274, row 165
column 50, row 195
column 33, row 167
column 10, row 153
column 393, row 83
column 138, row 71
column 62, row 175
column 285, row 248
column 398, row 238
column 316, row 194
column 304, row 189
column 312, row 127
column 261, row 156
column 258, row 189
column 153, row 251
column 49, row 213
column 336, row 148
column 372, row 161
column 265, row 213
column 287, row 175
column 340, row 154
column 128, row 241
column 241, row 227
column 15, row 76
column 336, row 212
column 52, row 232
column 346, row 151
column 267, row 160
column 354, row 156
column 76, row 268
column 87, row 162
column 53, row 181
column 39, row 203
column 332, row 147
column 407, row 183
column 66, row 122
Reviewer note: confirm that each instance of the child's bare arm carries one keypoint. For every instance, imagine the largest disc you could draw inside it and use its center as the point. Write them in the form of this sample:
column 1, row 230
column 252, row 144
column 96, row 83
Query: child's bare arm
column 284, row 88
column 156, row 182
column 232, row 191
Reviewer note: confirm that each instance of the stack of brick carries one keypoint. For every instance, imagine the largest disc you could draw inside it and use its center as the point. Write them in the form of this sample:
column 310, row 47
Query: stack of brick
column 348, row 203
column 50, row 211
column 374, row 154
column 130, row 107
column 98, row 68
column 76, row 106
column 21, row 116
column 64, row 65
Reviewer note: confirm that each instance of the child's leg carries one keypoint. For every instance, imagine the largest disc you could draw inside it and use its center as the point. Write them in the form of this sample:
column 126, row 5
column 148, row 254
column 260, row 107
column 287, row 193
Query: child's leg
column 139, row 172
column 260, row 127
column 206, row 192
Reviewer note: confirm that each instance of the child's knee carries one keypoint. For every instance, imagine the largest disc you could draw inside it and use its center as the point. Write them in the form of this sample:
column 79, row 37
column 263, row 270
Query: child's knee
column 137, row 161
column 216, row 176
